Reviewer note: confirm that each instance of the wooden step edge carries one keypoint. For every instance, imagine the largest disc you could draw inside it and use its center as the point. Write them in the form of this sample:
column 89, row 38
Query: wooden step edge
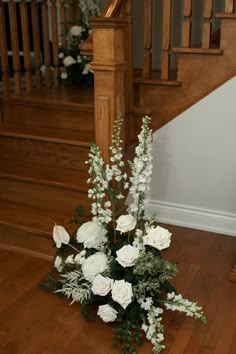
column 232, row 276
column 46, row 182
column 225, row 16
column 40, row 137
column 25, row 251
column 174, row 83
column 205, row 51
column 27, row 229
column 52, row 104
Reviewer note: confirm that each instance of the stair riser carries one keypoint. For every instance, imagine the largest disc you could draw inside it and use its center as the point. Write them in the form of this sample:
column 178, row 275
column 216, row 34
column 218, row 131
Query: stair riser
column 44, row 153
column 47, row 116
column 51, row 198
column 26, row 242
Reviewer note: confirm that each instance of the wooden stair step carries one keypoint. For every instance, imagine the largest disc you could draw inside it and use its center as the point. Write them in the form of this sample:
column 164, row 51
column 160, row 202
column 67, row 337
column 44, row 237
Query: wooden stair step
column 206, row 51
column 23, row 171
column 28, row 219
column 173, row 83
column 64, row 136
column 225, row 16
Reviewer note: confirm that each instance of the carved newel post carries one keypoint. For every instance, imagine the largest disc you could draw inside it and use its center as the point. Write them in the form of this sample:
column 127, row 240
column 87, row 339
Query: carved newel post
column 109, row 68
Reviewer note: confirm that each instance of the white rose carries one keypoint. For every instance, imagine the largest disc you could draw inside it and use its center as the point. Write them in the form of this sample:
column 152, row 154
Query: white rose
column 93, row 265
column 107, row 313
column 127, row 255
column 64, row 76
column 122, row 293
column 157, row 237
column 61, row 55
column 58, row 263
column 76, row 31
column 125, row 223
column 69, row 61
column 102, row 285
column 91, row 234
column 60, row 235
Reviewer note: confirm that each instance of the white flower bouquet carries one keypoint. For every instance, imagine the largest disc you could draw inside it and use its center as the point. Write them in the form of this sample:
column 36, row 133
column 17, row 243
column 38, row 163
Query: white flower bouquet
column 75, row 67
column 115, row 260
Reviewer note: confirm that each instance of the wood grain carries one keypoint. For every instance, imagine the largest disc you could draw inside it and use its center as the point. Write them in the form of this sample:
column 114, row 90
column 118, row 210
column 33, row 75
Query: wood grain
column 34, row 321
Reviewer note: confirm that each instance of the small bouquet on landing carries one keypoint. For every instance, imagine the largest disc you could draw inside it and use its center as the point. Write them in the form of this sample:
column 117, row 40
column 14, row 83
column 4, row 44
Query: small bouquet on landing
column 76, row 67
column 115, row 260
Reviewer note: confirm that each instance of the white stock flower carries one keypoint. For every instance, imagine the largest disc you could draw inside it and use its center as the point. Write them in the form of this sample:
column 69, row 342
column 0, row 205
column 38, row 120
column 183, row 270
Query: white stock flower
column 79, row 59
column 127, row 255
column 70, row 259
column 76, row 31
column 107, row 313
column 91, row 234
column 58, row 263
column 60, row 235
column 122, row 292
column 146, row 304
column 125, row 223
column 102, row 285
column 69, row 60
column 158, row 237
column 93, row 265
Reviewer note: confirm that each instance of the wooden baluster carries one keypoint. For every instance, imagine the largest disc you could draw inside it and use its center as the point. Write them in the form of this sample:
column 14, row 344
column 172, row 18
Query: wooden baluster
column 186, row 28
column 206, row 34
column 71, row 11
column 147, row 60
column 26, row 44
column 77, row 11
column 15, row 47
column 46, row 43
column 166, row 34
column 229, row 6
column 55, row 39
column 129, row 57
column 63, row 22
column 3, row 52
column 36, row 43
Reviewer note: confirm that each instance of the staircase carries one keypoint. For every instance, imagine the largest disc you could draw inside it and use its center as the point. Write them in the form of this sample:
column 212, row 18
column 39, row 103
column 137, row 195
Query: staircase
column 46, row 131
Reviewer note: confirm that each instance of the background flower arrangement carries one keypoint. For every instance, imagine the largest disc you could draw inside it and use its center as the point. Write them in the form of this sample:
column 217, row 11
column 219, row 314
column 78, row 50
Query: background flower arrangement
column 75, row 67
column 114, row 260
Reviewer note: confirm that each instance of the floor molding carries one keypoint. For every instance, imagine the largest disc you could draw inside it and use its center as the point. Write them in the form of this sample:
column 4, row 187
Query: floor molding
column 197, row 218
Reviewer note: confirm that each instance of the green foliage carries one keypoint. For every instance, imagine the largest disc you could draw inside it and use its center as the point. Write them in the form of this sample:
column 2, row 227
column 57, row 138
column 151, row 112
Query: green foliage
column 128, row 335
column 50, row 283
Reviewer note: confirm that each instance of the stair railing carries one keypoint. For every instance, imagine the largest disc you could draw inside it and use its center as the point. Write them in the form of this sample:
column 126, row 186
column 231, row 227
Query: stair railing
column 30, row 33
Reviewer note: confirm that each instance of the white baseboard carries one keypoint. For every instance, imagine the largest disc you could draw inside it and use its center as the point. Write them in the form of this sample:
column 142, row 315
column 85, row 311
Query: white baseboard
column 196, row 218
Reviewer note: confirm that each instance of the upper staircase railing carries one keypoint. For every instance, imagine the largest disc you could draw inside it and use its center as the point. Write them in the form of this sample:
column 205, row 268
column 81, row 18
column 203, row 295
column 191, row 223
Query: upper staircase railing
column 29, row 47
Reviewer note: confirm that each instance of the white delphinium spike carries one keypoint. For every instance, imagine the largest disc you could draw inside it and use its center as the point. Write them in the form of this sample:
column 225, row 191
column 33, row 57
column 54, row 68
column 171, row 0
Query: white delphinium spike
column 175, row 302
column 154, row 329
column 141, row 169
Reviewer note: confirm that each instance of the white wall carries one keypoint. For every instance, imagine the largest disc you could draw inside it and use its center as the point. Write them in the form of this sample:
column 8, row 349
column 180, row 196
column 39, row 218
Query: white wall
column 194, row 177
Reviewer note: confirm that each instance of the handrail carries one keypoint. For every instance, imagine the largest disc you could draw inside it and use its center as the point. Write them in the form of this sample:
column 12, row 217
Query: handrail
column 112, row 9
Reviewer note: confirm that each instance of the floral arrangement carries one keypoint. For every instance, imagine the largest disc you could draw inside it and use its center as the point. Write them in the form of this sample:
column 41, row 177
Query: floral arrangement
column 75, row 68
column 115, row 260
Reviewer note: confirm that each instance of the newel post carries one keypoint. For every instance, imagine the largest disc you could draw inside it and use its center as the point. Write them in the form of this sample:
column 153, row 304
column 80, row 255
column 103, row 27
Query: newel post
column 109, row 66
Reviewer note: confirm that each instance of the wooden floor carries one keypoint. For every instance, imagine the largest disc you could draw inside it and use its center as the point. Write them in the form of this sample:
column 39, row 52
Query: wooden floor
column 36, row 322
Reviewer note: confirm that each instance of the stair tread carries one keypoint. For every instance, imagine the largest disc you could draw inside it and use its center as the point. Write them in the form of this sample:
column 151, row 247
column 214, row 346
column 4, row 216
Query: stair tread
column 29, row 219
column 61, row 95
column 62, row 178
column 66, row 136
column 212, row 51
column 224, row 15
column 158, row 82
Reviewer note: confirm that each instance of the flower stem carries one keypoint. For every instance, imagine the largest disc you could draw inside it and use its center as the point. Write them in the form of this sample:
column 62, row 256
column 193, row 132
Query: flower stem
column 74, row 248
